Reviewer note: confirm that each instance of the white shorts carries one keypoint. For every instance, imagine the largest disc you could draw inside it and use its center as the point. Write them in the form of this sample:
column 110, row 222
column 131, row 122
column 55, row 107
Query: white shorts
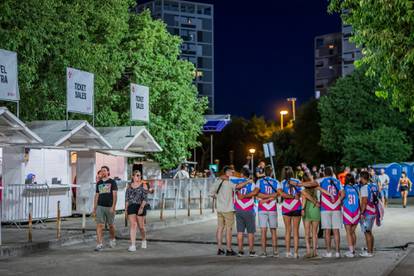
column 331, row 219
column 267, row 219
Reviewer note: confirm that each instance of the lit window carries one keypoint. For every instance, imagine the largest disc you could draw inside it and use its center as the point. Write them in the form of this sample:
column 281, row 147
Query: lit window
column 331, row 46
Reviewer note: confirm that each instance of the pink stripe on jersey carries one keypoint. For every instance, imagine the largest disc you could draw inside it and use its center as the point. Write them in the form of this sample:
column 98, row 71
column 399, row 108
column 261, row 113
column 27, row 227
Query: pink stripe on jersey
column 350, row 218
column 328, row 205
column 245, row 204
column 269, row 206
column 290, row 205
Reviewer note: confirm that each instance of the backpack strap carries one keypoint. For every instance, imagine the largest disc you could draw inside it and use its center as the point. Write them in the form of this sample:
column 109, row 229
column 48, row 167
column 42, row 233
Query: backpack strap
column 219, row 187
column 271, row 186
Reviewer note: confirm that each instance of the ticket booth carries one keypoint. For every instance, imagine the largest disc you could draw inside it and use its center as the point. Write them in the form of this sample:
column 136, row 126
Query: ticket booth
column 128, row 142
column 14, row 136
column 66, row 162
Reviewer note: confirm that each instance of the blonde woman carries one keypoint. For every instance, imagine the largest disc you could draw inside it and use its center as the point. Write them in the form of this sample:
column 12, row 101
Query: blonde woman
column 136, row 208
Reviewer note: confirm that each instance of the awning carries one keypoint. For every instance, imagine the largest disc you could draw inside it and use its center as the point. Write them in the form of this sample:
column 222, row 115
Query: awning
column 14, row 132
column 136, row 139
column 215, row 123
column 122, row 153
column 79, row 135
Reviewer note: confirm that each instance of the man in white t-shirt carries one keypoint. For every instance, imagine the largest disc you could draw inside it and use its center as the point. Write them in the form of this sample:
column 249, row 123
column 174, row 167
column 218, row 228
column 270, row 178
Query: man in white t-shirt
column 384, row 181
column 182, row 173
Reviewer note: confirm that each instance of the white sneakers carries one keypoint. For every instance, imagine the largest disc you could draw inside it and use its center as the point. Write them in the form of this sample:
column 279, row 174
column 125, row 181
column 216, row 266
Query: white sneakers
column 112, row 243
column 365, row 254
column 144, row 244
column 337, row 255
column 327, row 255
column 349, row 254
column 132, row 248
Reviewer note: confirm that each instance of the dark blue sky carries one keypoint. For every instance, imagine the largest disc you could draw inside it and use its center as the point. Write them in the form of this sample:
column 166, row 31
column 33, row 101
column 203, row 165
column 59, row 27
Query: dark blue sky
column 264, row 53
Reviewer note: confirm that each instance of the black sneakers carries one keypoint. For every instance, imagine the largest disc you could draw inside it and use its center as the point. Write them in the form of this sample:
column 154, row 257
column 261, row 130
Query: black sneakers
column 231, row 253
column 220, row 252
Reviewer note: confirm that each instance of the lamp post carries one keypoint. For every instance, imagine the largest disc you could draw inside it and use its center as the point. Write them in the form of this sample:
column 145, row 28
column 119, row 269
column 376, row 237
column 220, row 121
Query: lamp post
column 282, row 113
column 252, row 151
column 293, row 100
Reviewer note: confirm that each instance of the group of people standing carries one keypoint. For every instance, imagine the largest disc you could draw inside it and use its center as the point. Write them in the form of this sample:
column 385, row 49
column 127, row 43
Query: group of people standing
column 314, row 199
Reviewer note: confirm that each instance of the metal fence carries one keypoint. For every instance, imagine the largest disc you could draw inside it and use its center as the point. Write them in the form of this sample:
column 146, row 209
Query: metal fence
column 20, row 199
column 181, row 193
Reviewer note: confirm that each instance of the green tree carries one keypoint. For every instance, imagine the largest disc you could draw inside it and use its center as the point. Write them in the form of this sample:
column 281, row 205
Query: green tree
column 382, row 145
column 351, row 107
column 385, row 31
column 119, row 47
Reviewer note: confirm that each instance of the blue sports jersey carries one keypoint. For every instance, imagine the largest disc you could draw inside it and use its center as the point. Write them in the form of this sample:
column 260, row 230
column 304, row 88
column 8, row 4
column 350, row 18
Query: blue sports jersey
column 333, row 186
column 267, row 186
column 351, row 199
column 245, row 204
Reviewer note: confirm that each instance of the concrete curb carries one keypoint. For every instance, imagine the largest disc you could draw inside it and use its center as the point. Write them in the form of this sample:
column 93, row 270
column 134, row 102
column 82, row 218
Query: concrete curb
column 388, row 271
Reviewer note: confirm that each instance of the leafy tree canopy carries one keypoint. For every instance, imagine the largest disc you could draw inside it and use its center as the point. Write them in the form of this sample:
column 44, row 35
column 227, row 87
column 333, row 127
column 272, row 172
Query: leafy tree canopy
column 119, row 47
column 385, row 31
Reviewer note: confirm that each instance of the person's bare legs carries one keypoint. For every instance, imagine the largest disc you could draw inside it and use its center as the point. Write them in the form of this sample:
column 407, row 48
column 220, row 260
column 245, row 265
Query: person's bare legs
column 337, row 238
column 288, row 232
column 228, row 237
column 349, row 237
column 99, row 233
column 141, row 225
column 296, row 224
column 404, row 196
column 354, row 238
column 263, row 238
column 307, row 226
column 219, row 237
column 112, row 231
column 240, row 241
column 328, row 239
column 250, row 237
column 370, row 241
column 315, row 229
column 274, row 239
column 133, row 224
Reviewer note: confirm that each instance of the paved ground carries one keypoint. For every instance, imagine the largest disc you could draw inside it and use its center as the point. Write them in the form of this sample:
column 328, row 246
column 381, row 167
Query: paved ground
column 186, row 250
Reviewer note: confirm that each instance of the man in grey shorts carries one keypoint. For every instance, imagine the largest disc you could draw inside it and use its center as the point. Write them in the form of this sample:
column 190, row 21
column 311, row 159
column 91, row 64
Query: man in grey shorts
column 245, row 216
column 104, row 207
column 268, row 209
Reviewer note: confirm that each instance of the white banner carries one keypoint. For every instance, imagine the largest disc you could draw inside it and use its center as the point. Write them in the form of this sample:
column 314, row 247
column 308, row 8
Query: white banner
column 79, row 91
column 139, row 103
column 9, row 86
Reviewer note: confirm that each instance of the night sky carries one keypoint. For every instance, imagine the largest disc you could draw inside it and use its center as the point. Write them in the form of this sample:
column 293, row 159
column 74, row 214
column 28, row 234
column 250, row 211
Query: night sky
column 264, row 53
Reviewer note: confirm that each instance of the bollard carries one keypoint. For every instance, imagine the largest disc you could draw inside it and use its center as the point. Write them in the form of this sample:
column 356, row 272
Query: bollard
column 201, row 204
column 188, row 203
column 30, row 235
column 83, row 215
column 58, row 221
column 175, row 204
column 162, row 207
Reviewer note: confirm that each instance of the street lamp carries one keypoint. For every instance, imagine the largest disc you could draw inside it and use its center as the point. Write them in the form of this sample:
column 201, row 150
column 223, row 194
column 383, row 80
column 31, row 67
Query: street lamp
column 293, row 100
column 283, row 112
column 252, row 151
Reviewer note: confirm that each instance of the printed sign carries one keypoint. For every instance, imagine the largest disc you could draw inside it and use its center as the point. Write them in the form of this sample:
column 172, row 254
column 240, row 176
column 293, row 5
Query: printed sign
column 9, row 86
column 79, row 89
column 139, row 103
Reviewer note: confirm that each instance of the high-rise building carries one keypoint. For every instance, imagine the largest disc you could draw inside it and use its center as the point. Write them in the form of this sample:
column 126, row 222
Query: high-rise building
column 193, row 22
column 328, row 61
column 350, row 53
